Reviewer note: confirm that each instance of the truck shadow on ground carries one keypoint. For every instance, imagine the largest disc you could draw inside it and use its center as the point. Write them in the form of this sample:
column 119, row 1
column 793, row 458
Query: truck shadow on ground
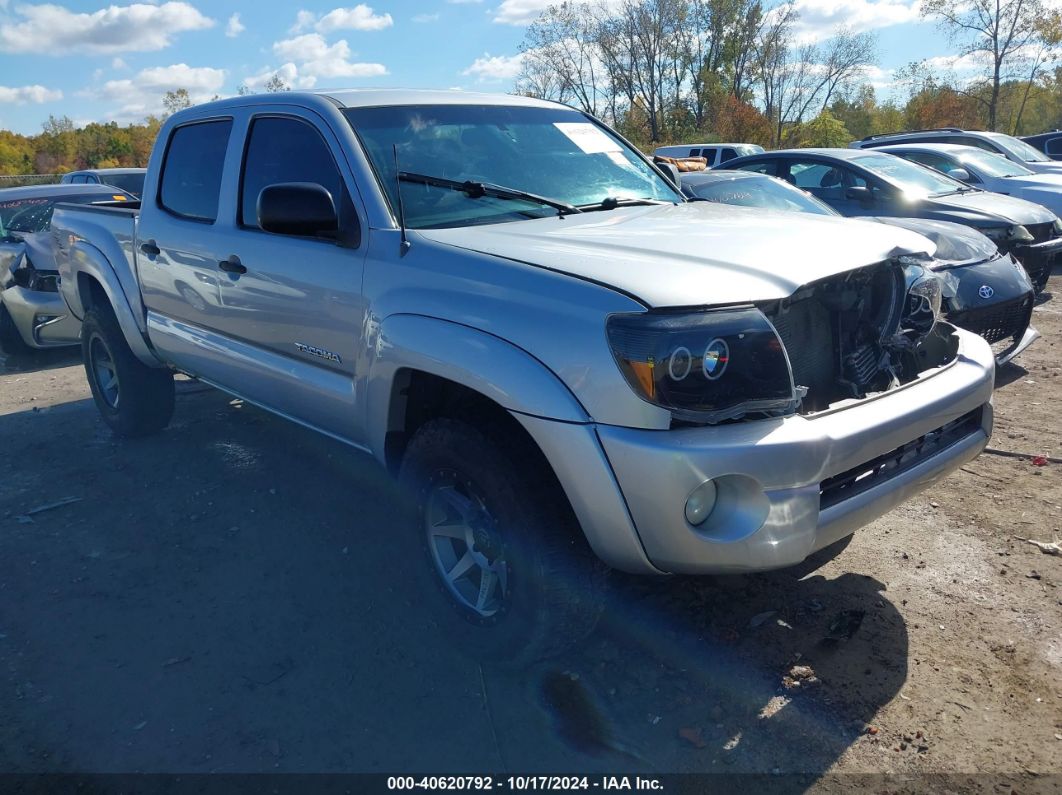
column 226, row 597
column 38, row 360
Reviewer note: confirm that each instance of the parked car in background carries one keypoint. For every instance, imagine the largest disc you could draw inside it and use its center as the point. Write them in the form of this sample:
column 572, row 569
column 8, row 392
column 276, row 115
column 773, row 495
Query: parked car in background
column 861, row 183
column 1008, row 146
column 985, row 291
column 32, row 313
column 986, row 171
column 519, row 315
column 1050, row 143
column 715, row 154
column 131, row 180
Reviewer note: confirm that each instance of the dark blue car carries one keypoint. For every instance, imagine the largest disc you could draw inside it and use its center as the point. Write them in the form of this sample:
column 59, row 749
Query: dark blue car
column 858, row 182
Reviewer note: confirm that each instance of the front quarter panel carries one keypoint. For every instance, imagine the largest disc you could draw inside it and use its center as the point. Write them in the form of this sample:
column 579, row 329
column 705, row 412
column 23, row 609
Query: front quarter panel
column 555, row 321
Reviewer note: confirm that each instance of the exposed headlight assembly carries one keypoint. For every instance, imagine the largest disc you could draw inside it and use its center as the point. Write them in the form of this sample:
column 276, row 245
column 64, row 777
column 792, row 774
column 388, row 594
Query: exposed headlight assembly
column 922, row 307
column 708, row 366
column 1008, row 234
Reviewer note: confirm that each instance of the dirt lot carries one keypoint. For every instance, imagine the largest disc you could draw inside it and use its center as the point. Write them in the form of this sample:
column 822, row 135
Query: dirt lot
column 223, row 597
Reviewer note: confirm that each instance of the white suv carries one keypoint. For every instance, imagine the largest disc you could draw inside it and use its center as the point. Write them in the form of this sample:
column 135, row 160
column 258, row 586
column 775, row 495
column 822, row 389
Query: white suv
column 1008, row 146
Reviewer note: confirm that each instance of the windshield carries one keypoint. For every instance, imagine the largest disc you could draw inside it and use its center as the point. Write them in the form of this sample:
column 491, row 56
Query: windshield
column 34, row 214
column 910, row 177
column 554, row 153
column 130, row 183
column 1019, row 148
column 991, row 165
column 766, row 192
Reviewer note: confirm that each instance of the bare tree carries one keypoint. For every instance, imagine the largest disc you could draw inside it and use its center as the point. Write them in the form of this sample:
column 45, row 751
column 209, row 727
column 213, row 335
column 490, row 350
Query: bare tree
column 561, row 56
column 275, row 84
column 176, row 100
column 994, row 31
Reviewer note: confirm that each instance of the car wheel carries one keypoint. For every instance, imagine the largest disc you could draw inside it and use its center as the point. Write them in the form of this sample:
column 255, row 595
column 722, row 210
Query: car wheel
column 504, row 565
column 134, row 399
column 10, row 340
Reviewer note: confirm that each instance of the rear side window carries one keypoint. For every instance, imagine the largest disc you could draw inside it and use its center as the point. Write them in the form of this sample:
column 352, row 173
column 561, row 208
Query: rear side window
column 1054, row 146
column 761, row 167
column 285, row 150
column 728, row 154
column 191, row 172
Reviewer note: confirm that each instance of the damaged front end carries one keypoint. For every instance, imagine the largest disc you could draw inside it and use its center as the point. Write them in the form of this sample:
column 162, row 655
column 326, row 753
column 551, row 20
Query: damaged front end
column 863, row 332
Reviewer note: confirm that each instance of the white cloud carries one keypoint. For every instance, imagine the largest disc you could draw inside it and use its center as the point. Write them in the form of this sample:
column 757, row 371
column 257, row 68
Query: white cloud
column 520, row 12
column 288, row 72
column 119, row 63
column 29, row 94
column 422, row 18
column 55, row 30
column 819, row 18
column 234, row 27
column 494, row 68
column 316, row 58
column 360, row 17
column 142, row 94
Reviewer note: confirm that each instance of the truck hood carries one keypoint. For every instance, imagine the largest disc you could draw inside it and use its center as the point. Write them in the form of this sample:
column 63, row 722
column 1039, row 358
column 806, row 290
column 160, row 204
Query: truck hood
column 695, row 254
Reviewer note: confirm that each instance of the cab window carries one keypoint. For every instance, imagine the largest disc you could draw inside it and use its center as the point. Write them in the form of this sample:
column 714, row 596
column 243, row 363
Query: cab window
column 269, row 160
column 191, row 171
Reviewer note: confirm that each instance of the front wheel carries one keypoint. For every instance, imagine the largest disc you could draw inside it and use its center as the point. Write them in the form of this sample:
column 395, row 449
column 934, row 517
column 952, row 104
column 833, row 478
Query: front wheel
column 504, row 565
column 132, row 398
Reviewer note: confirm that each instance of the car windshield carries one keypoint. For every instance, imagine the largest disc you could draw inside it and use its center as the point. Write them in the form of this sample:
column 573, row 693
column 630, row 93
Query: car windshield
column 1019, row 148
column 553, row 153
column 909, row 177
column 130, row 183
column 756, row 191
column 991, row 165
column 34, row 214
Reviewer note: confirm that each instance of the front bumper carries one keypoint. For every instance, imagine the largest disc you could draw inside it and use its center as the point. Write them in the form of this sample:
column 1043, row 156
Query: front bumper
column 1038, row 259
column 42, row 319
column 790, row 487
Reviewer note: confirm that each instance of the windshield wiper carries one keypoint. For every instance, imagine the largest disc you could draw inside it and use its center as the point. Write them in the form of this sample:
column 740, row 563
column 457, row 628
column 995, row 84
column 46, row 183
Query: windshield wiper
column 612, row 202
column 476, row 190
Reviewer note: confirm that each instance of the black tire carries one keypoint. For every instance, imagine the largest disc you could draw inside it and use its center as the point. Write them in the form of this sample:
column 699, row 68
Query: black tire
column 555, row 584
column 139, row 400
column 10, row 340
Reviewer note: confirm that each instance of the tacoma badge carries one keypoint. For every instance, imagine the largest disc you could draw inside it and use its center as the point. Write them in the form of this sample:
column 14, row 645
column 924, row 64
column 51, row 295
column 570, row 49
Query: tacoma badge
column 321, row 353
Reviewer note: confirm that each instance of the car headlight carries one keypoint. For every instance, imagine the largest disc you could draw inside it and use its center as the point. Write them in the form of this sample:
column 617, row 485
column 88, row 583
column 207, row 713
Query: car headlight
column 921, row 309
column 708, row 366
column 1056, row 225
column 1008, row 234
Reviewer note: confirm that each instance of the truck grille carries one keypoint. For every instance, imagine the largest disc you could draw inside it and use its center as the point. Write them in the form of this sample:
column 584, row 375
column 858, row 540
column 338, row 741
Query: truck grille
column 878, row 470
column 1002, row 324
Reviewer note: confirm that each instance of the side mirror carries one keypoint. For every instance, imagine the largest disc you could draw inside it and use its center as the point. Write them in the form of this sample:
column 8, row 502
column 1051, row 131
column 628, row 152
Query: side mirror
column 297, row 208
column 859, row 194
column 960, row 174
column 671, row 172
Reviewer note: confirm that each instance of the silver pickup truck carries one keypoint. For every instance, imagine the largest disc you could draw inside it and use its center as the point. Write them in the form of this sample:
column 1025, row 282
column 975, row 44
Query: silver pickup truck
column 561, row 358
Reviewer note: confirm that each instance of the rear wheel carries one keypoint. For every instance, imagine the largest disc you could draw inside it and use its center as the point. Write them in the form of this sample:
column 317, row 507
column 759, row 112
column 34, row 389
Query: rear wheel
column 132, row 398
column 504, row 566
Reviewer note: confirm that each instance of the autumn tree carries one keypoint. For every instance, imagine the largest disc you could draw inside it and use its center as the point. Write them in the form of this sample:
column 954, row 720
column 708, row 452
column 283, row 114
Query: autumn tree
column 995, row 33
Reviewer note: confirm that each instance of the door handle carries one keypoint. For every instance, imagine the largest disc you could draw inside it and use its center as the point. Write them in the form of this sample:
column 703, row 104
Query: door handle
column 149, row 248
column 232, row 265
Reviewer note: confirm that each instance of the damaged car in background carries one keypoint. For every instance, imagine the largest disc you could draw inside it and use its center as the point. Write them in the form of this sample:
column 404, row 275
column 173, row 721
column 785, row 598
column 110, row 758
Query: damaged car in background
column 984, row 290
column 32, row 313
column 871, row 183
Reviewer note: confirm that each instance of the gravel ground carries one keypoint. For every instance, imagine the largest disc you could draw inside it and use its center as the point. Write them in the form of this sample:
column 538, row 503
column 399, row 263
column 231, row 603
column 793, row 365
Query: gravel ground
column 223, row 598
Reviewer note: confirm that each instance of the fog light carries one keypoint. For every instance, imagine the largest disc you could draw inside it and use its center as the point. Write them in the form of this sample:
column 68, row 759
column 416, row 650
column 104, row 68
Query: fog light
column 700, row 503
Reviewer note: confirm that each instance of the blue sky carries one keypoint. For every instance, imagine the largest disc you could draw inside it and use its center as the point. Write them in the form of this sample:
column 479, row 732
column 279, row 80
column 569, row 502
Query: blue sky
column 96, row 61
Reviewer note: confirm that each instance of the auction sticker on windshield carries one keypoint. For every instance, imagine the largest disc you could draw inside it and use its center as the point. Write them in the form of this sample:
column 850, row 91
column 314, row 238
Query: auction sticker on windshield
column 588, row 137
